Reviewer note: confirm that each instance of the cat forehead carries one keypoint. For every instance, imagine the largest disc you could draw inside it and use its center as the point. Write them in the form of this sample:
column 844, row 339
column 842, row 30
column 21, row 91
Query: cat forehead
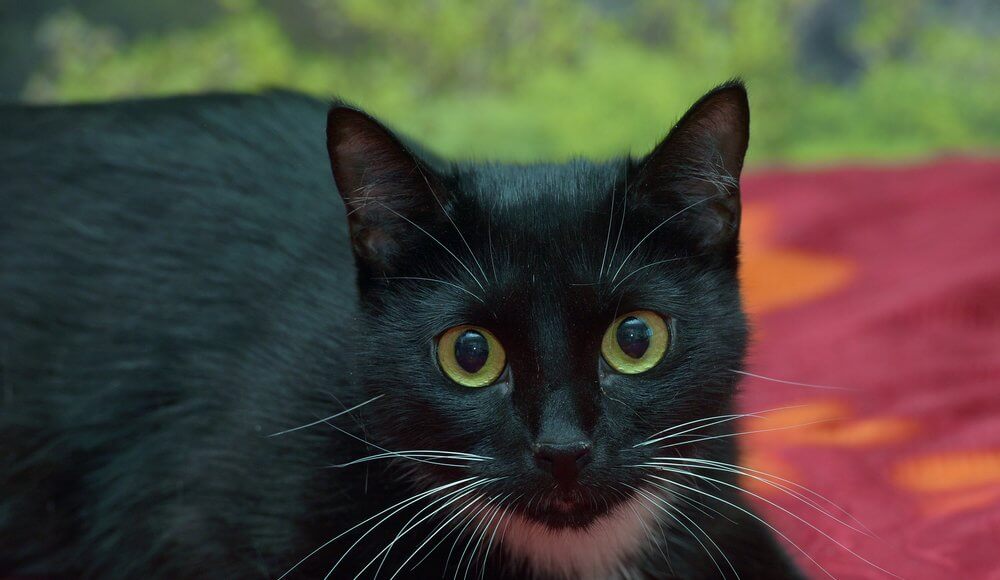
column 577, row 185
column 543, row 225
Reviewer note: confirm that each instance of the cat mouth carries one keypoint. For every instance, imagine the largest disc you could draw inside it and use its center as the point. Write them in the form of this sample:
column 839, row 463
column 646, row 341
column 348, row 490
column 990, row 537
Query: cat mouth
column 573, row 508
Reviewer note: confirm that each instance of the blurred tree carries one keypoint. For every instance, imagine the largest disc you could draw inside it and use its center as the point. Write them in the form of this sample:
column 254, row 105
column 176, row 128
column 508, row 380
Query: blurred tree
column 524, row 79
column 19, row 23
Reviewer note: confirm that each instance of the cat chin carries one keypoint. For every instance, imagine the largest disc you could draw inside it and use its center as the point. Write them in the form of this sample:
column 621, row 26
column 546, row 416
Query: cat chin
column 593, row 551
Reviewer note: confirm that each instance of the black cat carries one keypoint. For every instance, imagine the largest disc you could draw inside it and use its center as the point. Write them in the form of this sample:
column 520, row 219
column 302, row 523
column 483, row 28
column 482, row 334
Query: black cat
column 211, row 370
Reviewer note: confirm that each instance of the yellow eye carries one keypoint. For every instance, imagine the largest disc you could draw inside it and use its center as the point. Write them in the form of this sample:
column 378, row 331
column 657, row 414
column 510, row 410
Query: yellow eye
column 471, row 356
column 635, row 342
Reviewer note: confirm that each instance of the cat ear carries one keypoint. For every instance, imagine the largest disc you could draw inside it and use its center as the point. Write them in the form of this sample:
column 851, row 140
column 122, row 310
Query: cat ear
column 696, row 168
column 388, row 192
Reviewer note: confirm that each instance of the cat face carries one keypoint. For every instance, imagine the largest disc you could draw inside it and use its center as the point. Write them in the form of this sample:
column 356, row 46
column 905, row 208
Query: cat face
column 537, row 326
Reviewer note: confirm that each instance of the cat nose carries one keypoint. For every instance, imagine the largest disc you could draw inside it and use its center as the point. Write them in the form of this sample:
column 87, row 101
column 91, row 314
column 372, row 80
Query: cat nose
column 563, row 460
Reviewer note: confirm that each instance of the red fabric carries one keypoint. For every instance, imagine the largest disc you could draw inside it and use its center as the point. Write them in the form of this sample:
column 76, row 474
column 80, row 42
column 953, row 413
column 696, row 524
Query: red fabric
column 906, row 317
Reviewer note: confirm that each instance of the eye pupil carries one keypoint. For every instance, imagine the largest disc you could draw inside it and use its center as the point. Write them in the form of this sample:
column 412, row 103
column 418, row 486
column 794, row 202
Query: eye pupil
column 633, row 336
column 472, row 350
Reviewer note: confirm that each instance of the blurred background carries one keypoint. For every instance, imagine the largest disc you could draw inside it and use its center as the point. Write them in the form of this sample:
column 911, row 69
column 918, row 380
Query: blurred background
column 830, row 80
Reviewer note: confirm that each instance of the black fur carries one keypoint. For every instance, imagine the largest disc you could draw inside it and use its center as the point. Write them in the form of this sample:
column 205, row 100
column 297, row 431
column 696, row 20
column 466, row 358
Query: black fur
column 178, row 281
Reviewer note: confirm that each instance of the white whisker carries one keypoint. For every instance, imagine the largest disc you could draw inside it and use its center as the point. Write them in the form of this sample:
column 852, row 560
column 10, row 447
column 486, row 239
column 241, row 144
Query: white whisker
column 437, row 241
column 784, row 382
column 325, row 419
column 728, row 435
column 762, row 476
column 649, row 533
column 445, row 282
column 489, row 237
column 475, row 500
column 662, row 505
column 650, row 265
column 380, row 448
column 507, row 512
column 438, row 529
column 482, row 536
column 471, row 517
column 621, row 225
column 660, row 225
column 383, row 520
column 453, row 224
column 397, row 506
column 417, row 454
column 721, row 419
column 472, row 535
column 754, row 516
column 711, row 541
column 769, row 502
column 447, row 500
column 700, row 506
column 607, row 238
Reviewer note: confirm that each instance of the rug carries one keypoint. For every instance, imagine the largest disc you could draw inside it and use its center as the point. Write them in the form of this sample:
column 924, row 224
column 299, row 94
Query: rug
column 877, row 289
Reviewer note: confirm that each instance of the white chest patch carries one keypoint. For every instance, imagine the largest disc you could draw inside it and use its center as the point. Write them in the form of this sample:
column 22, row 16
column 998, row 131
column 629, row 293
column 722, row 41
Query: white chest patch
column 596, row 552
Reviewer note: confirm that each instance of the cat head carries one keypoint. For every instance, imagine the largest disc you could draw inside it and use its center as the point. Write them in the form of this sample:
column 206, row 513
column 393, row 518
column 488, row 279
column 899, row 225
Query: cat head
column 539, row 325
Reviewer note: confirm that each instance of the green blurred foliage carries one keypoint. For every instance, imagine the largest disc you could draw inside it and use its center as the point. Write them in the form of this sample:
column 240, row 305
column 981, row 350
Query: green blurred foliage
column 524, row 80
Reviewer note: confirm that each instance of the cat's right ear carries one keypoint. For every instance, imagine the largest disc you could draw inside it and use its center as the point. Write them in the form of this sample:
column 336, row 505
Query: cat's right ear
column 695, row 171
column 389, row 193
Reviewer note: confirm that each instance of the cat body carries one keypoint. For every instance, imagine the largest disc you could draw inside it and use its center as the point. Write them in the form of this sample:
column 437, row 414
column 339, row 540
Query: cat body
column 204, row 348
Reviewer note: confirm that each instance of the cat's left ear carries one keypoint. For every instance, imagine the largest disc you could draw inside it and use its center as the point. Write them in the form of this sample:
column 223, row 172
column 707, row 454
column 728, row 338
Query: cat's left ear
column 393, row 198
column 696, row 169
